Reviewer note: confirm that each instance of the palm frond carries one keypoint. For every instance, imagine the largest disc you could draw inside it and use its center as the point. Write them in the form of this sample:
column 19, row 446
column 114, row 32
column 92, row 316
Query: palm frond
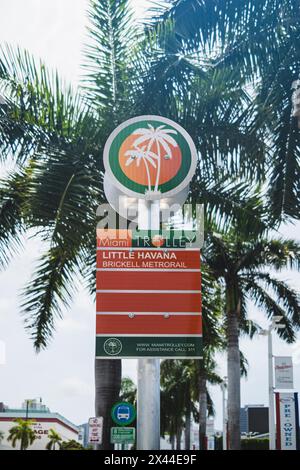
column 13, row 190
column 272, row 308
column 39, row 109
column 113, row 37
column 288, row 297
column 65, row 223
column 244, row 365
column 51, row 287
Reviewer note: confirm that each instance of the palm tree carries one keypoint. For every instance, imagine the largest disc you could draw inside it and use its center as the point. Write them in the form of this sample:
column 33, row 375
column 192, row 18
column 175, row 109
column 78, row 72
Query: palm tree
column 177, row 399
column 258, row 39
column 1, row 436
column 22, row 432
column 180, row 393
column 243, row 267
column 213, row 306
column 71, row 445
column 54, row 440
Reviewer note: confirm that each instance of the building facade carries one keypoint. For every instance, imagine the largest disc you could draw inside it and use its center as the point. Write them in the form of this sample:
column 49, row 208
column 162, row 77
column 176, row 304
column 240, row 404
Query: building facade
column 43, row 420
column 254, row 419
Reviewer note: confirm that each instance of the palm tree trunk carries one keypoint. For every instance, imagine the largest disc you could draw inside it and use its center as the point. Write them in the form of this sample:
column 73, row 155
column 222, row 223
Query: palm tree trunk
column 187, row 433
column 178, row 438
column 172, row 440
column 202, row 411
column 234, row 381
column 107, row 385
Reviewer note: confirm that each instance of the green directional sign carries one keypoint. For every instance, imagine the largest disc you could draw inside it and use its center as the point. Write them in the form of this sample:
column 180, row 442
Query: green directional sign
column 122, row 435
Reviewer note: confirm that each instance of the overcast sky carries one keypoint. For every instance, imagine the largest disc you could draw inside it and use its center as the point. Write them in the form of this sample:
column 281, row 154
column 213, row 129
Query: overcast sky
column 63, row 374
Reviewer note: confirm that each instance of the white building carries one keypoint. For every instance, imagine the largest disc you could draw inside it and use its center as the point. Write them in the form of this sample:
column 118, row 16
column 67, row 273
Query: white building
column 43, row 421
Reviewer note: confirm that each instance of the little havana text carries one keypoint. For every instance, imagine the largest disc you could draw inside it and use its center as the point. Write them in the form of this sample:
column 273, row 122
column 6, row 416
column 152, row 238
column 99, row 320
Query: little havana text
column 153, row 255
column 141, row 259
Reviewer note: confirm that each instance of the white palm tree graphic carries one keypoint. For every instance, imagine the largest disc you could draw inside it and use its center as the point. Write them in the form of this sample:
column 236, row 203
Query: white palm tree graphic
column 139, row 154
column 161, row 136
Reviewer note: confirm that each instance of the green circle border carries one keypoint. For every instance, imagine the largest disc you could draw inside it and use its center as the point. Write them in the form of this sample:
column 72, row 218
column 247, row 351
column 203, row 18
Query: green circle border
column 133, row 418
column 139, row 188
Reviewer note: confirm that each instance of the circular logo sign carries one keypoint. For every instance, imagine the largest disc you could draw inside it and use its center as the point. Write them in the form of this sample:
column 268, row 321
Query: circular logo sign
column 150, row 157
column 112, row 346
column 123, row 413
column 158, row 240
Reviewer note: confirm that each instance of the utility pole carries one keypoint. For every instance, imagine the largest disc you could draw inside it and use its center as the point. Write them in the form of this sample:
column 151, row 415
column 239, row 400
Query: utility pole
column 148, row 395
column 224, row 409
column 275, row 325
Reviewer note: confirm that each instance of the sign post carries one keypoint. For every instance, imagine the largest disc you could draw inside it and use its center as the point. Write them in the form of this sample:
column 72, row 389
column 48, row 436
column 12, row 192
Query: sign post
column 122, row 436
column 284, row 373
column 141, row 312
column 287, row 417
column 95, row 431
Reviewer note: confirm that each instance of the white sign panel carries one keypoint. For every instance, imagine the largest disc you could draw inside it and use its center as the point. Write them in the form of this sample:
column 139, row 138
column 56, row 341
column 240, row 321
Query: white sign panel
column 95, row 430
column 286, row 421
column 284, row 373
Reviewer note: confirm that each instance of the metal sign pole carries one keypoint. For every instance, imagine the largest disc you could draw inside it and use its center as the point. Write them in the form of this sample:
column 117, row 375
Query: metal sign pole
column 272, row 445
column 148, row 395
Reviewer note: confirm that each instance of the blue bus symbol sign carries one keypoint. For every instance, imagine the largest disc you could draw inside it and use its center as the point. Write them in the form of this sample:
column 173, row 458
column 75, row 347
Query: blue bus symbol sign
column 123, row 413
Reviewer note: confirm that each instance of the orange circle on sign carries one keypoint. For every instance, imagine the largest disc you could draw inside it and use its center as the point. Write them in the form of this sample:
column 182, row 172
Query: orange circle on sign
column 140, row 169
column 158, row 240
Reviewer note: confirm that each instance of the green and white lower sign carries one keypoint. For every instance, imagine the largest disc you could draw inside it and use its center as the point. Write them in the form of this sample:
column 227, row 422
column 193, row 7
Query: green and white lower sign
column 122, row 435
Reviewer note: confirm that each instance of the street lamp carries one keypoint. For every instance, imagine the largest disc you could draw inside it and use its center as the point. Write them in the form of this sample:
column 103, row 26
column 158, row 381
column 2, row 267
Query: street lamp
column 274, row 326
column 223, row 388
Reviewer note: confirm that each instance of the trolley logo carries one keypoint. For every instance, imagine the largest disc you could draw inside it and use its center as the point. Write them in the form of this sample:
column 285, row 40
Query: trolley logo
column 112, row 346
column 150, row 156
column 158, row 240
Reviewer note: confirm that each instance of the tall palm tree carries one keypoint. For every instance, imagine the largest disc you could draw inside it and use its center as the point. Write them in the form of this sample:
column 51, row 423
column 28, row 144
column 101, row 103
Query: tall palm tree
column 243, row 268
column 259, row 39
column 180, row 395
column 22, row 432
column 57, row 136
column 54, row 440
column 178, row 399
